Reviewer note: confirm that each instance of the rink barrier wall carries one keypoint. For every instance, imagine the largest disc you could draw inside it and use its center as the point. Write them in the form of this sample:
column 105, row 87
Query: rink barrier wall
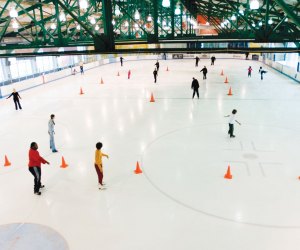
column 48, row 78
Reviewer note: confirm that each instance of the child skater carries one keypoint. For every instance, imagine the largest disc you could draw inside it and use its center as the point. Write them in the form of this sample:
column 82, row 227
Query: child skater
column 231, row 123
column 98, row 163
column 34, row 166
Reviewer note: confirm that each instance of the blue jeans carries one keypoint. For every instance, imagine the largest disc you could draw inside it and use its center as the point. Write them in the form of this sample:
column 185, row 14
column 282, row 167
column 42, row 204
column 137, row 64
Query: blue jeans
column 52, row 144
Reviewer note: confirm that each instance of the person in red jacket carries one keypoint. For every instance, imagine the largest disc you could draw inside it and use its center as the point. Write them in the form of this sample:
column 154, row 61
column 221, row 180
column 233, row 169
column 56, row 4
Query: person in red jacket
column 35, row 161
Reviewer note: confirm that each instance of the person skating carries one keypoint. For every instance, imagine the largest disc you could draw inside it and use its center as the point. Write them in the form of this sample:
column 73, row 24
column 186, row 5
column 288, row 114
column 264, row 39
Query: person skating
column 213, row 59
column 81, row 67
column 155, row 75
column 34, row 167
column 247, row 54
column 157, row 66
column 249, row 71
column 231, row 123
column 98, row 164
column 204, row 70
column 262, row 72
column 121, row 60
column 51, row 132
column 197, row 61
column 16, row 97
column 195, row 87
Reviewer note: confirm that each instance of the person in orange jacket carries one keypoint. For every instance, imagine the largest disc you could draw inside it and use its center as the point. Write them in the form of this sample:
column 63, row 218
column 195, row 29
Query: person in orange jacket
column 34, row 166
column 98, row 164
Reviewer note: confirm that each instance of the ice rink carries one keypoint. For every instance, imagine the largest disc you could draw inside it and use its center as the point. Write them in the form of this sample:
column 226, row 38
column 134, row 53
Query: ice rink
column 181, row 201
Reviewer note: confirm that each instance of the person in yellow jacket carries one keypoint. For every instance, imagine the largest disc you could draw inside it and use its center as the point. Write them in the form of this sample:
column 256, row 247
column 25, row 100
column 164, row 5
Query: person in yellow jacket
column 98, row 163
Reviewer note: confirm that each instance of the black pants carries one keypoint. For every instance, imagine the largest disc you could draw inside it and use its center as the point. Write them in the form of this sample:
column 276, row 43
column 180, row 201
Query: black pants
column 204, row 76
column 230, row 131
column 155, row 77
column 249, row 74
column 37, row 173
column 196, row 64
column 212, row 63
column 17, row 102
column 196, row 92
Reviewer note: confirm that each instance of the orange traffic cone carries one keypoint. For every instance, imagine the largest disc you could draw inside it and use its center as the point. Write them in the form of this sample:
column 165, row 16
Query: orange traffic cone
column 226, row 80
column 81, row 92
column 118, row 74
column 229, row 92
column 101, row 81
column 6, row 163
column 63, row 163
column 228, row 173
column 152, row 98
column 167, row 68
column 222, row 73
column 138, row 169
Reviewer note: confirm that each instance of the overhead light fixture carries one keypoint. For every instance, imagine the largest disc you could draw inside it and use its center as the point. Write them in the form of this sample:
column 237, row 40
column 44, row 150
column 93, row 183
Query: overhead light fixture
column 117, row 11
column 260, row 23
column 136, row 26
column 177, row 10
column 53, row 26
column 113, row 22
column 254, row 4
column 149, row 18
column 286, row 19
column 97, row 27
column 15, row 24
column 136, row 15
column 126, row 24
column 241, row 9
column 93, row 20
column 83, row 4
column 233, row 17
column 164, row 23
column 253, row 25
column 222, row 25
column 78, row 27
column 166, row 3
column 62, row 17
column 13, row 13
column 270, row 21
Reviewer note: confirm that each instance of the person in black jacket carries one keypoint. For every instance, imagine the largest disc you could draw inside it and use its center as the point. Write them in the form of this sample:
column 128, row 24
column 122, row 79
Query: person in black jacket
column 157, row 65
column 213, row 59
column 155, row 74
column 195, row 87
column 204, row 70
column 197, row 61
column 16, row 97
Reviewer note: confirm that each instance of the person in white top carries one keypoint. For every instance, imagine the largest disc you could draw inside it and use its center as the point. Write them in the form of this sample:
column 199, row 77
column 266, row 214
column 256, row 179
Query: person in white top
column 231, row 122
column 51, row 132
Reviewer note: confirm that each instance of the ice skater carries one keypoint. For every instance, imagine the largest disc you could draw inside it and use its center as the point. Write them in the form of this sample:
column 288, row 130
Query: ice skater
column 157, row 65
column 34, row 167
column 129, row 74
column 16, row 97
column 247, row 55
column 155, row 75
column 249, row 71
column 195, row 87
column 262, row 72
column 51, row 132
column 121, row 60
column 204, row 70
column 98, row 164
column 213, row 59
column 231, row 123
column 81, row 68
column 197, row 61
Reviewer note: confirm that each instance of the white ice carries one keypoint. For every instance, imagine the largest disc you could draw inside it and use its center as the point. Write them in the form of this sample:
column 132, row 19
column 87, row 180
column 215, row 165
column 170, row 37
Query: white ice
column 181, row 201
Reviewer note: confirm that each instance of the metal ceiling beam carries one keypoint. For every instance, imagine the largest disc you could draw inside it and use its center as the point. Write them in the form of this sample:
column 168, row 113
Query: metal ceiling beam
column 289, row 12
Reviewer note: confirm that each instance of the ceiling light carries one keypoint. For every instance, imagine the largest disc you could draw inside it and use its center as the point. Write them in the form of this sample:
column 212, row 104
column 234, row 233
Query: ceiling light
column 83, row 4
column 62, row 17
column 149, row 18
column 254, row 4
column 53, row 26
column 97, row 27
column 222, row 25
column 270, row 21
column 253, row 24
column 13, row 13
column 136, row 26
column 233, row 17
column 93, row 21
column 166, row 3
column 126, row 24
column 136, row 15
column 260, row 23
column 78, row 27
column 117, row 11
column 177, row 10
column 113, row 22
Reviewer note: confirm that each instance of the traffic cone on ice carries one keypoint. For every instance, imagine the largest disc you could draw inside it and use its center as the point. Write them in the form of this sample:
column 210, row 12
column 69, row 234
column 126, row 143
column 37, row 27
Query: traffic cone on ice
column 138, row 169
column 167, row 68
column 152, row 98
column 229, row 92
column 226, row 80
column 118, row 74
column 222, row 73
column 228, row 173
column 63, row 163
column 81, row 92
column 102, row 82
column 6, row 163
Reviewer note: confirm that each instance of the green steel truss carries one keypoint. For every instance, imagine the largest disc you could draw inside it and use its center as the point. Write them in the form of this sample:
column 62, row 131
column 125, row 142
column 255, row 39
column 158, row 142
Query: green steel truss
column 106, row 24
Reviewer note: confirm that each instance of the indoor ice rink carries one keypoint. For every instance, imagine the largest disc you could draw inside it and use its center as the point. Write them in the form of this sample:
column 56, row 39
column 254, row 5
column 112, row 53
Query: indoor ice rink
column 181, row 200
